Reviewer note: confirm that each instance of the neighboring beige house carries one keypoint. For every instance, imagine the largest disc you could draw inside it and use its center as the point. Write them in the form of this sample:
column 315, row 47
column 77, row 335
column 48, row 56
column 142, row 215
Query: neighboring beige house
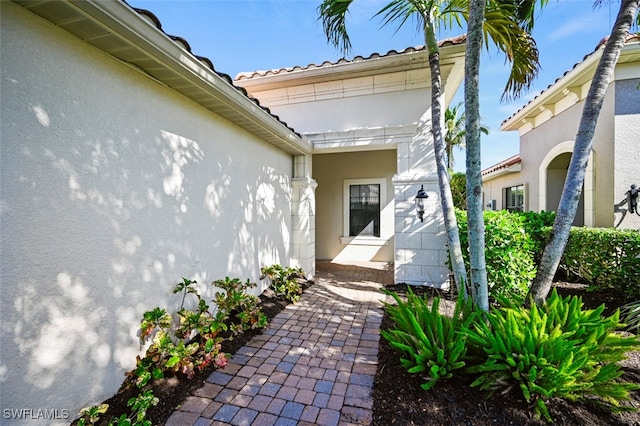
column 533, row 179
column 127, row 162
column 370, row 157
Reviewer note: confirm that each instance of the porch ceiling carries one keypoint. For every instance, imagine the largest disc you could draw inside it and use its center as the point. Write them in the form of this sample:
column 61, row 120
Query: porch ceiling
column 135, row 38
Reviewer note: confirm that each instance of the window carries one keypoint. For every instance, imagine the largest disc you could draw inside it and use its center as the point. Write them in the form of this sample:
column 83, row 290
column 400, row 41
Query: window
column 514, row 198
column 364, row 211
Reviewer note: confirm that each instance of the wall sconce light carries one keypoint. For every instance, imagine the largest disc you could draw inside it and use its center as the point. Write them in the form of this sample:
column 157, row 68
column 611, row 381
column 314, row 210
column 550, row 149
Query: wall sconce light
column 632, row 199
column 420, row 197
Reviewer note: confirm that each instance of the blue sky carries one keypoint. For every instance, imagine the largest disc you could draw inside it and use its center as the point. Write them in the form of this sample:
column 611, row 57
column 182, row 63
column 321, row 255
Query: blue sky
column 250, row 35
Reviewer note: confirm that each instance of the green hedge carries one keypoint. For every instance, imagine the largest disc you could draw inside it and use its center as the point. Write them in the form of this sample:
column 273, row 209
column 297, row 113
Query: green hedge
column 606, row 258
column 509, row 252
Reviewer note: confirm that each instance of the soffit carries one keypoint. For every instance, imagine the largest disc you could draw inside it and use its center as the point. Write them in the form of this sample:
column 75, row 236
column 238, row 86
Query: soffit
column 573, row 83
column 135, row 37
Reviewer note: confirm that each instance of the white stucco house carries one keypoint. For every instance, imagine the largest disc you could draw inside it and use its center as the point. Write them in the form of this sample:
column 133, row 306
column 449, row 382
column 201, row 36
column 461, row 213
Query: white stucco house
column 369, row 157
column 533, row 179
column 128, row 162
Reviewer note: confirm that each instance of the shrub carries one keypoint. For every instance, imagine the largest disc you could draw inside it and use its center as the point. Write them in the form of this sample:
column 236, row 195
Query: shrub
column 284, row 281
column 431, row 343
column 508, row 252
column 458, row 184
column 538, row 228
column 558, row 350
column 234, row 300
column 606, row 258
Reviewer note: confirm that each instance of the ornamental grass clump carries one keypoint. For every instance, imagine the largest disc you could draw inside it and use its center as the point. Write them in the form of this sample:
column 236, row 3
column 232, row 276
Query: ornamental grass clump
column 432, row 344
column 557, row 350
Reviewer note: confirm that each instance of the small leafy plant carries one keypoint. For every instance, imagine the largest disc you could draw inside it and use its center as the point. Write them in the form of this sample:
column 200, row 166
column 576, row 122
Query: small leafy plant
column 92, row 414
column 558, row 350
column 284, row 281
column 138, row 416
column 432, row 344
column 235, row 300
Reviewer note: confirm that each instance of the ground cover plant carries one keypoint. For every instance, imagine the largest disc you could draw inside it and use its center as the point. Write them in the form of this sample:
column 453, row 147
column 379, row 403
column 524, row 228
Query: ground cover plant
column 186, row 348
column 432, row 344
column 284, row 281
column 558, row 350
column 399, row 398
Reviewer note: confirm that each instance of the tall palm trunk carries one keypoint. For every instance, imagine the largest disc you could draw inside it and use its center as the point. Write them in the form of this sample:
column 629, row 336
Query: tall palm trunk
column 584, row 140
column 475, row 219
column 450, row 222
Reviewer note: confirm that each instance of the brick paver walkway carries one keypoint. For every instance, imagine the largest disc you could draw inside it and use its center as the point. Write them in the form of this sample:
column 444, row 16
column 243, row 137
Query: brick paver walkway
column 313, row 365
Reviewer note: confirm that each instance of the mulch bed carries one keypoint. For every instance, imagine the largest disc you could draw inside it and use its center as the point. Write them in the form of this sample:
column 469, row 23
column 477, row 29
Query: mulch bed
column 399, row 399
column 175, row 388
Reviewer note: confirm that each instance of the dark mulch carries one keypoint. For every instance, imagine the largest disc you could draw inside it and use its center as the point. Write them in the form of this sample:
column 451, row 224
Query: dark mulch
column 175, row 388
column 399, row 399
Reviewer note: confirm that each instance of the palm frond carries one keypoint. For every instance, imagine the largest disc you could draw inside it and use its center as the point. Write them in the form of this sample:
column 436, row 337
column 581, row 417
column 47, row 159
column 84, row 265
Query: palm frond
column 503, row 29
column 333, row 14
column 400, row 11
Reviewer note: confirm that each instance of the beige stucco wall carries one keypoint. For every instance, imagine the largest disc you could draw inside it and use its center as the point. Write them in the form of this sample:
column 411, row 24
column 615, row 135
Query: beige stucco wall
column 330, row 171
column 627, row 148
column 113, row 188
column 550, row 139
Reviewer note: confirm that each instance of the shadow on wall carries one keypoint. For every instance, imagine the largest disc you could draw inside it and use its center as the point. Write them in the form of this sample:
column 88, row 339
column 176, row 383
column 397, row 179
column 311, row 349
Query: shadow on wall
column 97, row 230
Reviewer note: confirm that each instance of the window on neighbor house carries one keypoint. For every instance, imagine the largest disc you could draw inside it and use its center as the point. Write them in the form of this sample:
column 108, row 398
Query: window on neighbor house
column 514, row 198
column 364, row 210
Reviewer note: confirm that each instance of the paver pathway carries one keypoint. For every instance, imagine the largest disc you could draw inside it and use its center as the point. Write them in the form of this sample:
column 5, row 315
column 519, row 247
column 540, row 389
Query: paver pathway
column 314, row 365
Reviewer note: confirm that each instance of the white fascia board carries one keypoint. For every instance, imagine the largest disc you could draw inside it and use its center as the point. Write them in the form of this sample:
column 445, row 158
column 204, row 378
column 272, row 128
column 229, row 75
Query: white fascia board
column 587, row 66
column 125, row 23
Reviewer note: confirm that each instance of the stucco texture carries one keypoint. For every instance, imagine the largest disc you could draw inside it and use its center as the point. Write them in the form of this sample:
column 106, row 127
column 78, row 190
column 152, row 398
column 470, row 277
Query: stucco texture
column 330, row 171
column 113, row 188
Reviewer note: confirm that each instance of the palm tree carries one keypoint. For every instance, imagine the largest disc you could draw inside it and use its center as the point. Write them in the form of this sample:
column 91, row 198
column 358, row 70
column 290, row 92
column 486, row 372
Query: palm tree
column 454, row 123
column 575, row 176
column 504, row 30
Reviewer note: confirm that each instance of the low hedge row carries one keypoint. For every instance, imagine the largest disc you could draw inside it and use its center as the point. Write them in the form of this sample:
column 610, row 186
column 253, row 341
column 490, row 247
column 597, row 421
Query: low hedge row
column 604, row 258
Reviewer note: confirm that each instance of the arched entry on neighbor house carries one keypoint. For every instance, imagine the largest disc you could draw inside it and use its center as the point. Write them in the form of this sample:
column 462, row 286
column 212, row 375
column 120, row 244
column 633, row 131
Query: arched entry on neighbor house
column 553, row 173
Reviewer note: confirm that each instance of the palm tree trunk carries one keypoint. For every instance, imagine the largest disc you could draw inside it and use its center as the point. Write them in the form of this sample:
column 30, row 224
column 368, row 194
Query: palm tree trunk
column 479, row 286
column 584, row 140
column 451, row 225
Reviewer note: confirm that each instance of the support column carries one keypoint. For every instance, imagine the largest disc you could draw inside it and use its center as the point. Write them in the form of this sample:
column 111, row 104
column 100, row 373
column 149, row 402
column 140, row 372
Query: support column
column 420, row 247
column 303, row 216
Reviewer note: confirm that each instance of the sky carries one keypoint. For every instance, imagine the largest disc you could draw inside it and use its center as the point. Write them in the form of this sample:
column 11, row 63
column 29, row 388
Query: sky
column 251, row 35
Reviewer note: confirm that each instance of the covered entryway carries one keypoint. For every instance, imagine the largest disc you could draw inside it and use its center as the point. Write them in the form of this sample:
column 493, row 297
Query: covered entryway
column 553, row 173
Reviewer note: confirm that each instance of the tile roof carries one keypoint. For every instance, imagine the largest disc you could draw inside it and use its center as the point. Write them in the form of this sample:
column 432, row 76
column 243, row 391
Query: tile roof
column 504, row 164
column 598, row 47
column 446, row 42
column 185, row 44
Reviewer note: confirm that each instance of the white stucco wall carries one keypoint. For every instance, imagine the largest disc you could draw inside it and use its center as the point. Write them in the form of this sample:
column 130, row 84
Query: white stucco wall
column 113, row 188
column 357, row 109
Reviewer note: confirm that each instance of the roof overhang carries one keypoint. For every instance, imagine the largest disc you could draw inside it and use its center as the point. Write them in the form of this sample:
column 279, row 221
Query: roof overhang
column 508, row 166
column 135, row 39
column 567, row 90
column 452, row 55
